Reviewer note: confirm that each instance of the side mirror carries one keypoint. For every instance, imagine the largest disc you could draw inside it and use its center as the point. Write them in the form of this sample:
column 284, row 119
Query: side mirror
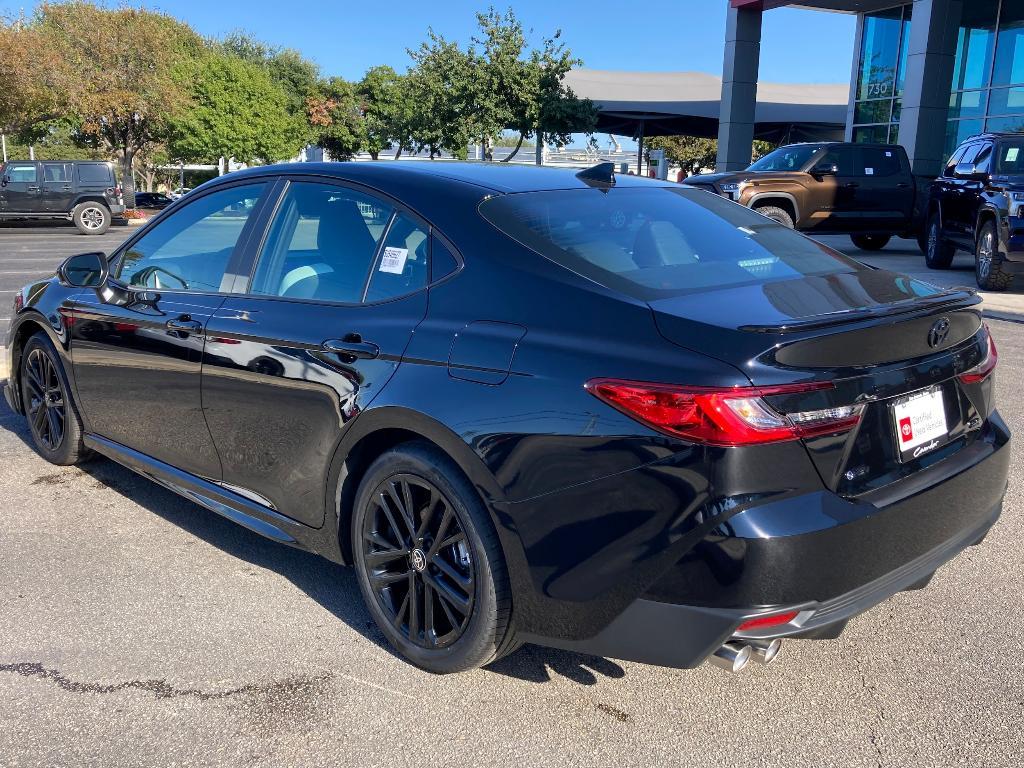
column 970, row 172
column 825, row 169
column 85, row 270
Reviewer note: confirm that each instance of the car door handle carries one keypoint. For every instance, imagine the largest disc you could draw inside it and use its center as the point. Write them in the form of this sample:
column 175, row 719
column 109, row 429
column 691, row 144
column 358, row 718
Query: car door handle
column 184, row 324
column 352, row 347
column 903, row 185
column 851, row 185
column 32, row 189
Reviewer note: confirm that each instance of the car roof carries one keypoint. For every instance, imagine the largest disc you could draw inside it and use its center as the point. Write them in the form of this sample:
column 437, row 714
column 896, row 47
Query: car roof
column 491, row 176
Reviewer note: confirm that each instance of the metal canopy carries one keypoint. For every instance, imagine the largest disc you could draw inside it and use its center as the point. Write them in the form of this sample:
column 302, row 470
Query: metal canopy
column 689, row 103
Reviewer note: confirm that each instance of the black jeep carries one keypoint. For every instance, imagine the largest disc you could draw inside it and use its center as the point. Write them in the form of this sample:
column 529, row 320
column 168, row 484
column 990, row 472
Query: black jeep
column 85, row 192
column 976, row 205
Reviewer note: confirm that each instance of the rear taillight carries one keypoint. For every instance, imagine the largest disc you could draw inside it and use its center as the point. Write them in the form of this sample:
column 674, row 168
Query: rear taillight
column 735, row 416
column 984, row 369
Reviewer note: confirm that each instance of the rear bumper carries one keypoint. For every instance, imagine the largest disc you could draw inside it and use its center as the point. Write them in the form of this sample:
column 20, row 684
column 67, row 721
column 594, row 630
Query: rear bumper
column 683, row 636
column 828, row 557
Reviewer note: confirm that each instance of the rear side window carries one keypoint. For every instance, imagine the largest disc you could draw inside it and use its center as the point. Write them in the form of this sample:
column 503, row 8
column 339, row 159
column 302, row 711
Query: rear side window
column 403, row 264
column 322, row 244
column 57, row 173
column 878, row 161
column 95, row 173
column 658, row 242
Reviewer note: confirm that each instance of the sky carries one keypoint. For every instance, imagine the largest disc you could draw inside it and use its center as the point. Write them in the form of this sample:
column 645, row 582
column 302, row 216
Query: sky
column 655, row 35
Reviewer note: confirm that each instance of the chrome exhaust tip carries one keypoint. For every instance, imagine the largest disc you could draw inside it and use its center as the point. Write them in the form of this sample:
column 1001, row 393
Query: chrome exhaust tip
column 764, row 651
column 732, row 657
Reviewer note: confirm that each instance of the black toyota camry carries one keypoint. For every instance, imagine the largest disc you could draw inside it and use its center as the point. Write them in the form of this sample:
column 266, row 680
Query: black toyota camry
column 589, row 411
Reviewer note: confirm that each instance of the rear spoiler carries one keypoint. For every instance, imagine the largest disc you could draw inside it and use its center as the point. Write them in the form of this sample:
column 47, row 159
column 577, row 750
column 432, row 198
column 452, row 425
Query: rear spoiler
column 959, row 298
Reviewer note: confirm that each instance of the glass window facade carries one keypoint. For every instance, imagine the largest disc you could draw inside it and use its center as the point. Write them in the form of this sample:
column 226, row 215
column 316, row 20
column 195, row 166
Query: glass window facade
column 987, row 92
column 881, row 74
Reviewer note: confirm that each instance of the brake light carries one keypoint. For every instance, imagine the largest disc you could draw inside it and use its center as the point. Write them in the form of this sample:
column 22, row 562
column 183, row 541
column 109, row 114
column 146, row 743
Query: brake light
column 768, row 621
column 727, row 417
column 984, row 369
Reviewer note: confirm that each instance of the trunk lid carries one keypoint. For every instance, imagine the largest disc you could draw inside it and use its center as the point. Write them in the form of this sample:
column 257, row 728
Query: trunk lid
column 878, row 336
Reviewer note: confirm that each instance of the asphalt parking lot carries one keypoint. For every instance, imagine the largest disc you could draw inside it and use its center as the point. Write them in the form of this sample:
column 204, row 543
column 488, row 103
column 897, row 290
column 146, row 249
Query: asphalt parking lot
column 140, row 629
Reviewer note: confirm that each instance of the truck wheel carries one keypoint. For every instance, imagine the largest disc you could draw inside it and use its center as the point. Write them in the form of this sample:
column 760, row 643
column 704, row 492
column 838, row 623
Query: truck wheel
column 989, row 264
column 939, row 253
column 91, row 218
column 870, row 242
column 776, row 214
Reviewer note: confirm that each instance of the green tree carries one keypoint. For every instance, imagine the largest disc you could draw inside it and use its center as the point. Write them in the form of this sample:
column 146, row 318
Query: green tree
column 694, row 153
column 529, row 84
column 237, row 111
column 121, row 60
column 34, row 78
column 447, row 113
column 385, row 106
column 297, row 76
column 334, row 114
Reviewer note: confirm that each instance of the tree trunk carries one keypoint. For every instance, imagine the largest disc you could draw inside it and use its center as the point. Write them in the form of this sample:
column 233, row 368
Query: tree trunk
column 514, row 151
column 127, row 178
column 374, row 154
column 398, row 154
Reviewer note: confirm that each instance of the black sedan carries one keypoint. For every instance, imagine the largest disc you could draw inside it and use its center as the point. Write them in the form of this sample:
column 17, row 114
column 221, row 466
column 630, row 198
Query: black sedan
column 152, row 200
column 601, row 413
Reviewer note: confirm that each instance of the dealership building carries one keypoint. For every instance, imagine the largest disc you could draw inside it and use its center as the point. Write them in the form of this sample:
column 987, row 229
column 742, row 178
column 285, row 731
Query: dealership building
column 925, row 74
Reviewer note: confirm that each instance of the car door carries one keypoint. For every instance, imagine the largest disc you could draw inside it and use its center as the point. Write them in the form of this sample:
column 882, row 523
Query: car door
column 58, row 192
column 942, row 189
column 336, row 293
column 137, row 352
column 884, row 192
column 955, row 211
column 22, row 189
column 974, row 189
column 830, row 190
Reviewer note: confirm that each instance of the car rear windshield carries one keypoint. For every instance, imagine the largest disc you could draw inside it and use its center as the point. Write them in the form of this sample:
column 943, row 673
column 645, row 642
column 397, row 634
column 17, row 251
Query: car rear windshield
column 656, row 242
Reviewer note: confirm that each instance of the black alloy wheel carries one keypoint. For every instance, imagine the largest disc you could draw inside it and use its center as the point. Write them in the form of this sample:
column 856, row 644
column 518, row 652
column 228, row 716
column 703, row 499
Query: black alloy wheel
column 418, row 561
column 45, row 400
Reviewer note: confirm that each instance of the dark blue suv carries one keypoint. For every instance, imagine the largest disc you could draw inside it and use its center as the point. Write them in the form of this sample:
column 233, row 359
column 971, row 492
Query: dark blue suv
column 975, row 205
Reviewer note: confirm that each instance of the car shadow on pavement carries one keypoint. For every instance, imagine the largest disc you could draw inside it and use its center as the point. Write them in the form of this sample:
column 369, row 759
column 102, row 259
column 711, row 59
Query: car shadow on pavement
column 333, row 586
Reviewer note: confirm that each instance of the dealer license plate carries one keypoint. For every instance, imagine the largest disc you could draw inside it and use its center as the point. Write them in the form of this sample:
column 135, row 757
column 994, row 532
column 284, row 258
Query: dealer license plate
column 920, row 423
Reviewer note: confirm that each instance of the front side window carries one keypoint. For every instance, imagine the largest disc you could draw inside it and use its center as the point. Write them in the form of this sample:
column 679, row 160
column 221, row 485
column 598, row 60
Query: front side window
column 1010, row 156
column 21, row 174
column 792, row 158
column 655, row 243
column 322, row 244
column 190, row 250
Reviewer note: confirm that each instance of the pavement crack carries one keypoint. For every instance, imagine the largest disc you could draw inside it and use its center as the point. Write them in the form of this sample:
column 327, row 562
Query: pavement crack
column 161, row 689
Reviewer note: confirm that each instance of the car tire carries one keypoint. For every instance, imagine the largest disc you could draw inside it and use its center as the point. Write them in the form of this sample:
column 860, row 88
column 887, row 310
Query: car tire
column 776, row 214
column 420, row 529
column 870, row 242
column 989, row 264
column 938, row 252
column 53, row 419
column 91, row 218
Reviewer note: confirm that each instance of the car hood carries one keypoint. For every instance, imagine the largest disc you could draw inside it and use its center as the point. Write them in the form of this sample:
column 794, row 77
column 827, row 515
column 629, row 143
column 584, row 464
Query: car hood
column 862, row 312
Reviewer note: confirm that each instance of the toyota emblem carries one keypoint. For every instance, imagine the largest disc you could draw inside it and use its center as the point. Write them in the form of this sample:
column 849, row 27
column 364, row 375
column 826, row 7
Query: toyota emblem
column 938, row 332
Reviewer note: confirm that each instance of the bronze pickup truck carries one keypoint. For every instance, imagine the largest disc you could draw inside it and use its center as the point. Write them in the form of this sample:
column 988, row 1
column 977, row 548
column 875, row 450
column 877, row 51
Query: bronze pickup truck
column 866, row 191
